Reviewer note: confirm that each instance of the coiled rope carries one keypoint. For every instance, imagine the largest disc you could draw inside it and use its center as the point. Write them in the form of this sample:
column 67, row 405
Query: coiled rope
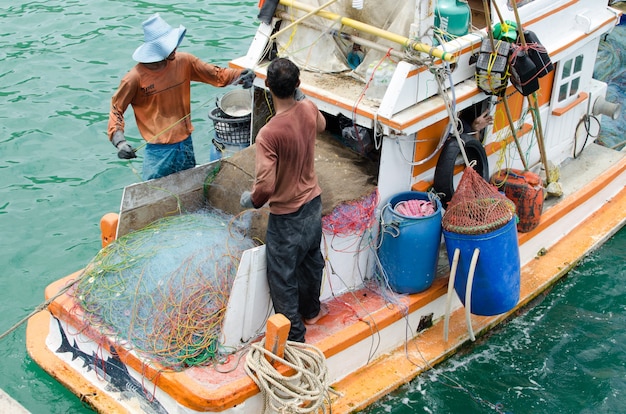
column 305, row 391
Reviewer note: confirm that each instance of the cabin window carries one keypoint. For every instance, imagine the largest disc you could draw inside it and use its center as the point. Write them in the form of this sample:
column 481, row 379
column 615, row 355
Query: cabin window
column 570, row 77
column 567, row 68
column 574, row 89
column 578, row 65
column 562, row 92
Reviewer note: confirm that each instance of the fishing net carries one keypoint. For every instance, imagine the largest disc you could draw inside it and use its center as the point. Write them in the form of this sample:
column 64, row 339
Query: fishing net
column 347, row 179
column 352, row 217
column 476, row 207
column 163, row 290
column 610, row 67
column 316, row 45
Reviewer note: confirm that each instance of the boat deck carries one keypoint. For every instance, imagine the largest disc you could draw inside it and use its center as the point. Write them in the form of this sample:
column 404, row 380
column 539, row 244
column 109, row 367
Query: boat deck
column 359, row 318
column 582, row 176
column 578, row 172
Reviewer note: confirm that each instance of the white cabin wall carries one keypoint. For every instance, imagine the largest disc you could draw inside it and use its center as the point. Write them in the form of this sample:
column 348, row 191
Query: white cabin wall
column 395, row 168
column 560, row 130
column 424, row 19
column 349, row 261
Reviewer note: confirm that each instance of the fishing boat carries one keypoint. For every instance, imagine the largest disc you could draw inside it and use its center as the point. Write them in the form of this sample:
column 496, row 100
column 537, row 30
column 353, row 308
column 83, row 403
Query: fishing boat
column 404, row 291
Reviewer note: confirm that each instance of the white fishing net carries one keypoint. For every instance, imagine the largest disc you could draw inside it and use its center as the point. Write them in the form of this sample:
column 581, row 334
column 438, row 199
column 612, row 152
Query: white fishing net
column 315, row 46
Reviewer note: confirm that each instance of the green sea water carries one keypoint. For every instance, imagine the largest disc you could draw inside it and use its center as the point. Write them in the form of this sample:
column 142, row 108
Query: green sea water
column 60, row 62
column 566, row 354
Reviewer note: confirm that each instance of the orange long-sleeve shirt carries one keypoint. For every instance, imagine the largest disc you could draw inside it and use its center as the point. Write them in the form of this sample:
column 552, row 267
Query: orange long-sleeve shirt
column 161, row 99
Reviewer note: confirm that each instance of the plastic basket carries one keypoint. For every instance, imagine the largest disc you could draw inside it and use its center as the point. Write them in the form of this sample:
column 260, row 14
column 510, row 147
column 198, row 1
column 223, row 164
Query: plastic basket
column 229, row 129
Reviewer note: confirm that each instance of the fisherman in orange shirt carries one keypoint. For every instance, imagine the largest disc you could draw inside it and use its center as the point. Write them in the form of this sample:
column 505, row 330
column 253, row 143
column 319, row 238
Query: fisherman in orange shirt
column 159, row 90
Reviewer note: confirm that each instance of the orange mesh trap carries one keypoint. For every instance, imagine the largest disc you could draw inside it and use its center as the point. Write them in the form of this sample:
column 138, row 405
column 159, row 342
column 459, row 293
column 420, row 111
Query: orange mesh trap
column 476, row 207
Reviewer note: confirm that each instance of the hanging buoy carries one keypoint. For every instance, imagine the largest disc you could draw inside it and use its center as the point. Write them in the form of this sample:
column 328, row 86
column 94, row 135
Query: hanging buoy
column 538, row 54
column 492, row 67
column 524, row 72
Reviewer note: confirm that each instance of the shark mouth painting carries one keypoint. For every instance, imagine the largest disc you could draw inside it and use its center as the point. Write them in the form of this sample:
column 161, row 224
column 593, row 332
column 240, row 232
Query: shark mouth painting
column 114, row 372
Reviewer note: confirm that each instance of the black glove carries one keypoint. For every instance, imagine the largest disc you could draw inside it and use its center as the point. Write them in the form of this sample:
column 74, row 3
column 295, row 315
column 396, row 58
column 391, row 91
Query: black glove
column 246, row 78
column 298, row 95
column 246, row 200
column 124, row 150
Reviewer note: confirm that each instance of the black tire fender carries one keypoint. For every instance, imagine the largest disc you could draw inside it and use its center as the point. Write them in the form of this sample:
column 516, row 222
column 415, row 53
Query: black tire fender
column 443, row 182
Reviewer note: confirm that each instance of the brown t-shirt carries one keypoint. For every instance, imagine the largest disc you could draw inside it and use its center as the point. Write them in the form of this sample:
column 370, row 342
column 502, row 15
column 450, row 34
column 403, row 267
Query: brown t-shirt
column 285, row 160
column 161, row 98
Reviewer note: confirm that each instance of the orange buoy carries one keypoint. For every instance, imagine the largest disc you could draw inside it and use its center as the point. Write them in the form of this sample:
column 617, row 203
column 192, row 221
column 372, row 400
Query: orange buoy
column 525, row 189
column 108, row 228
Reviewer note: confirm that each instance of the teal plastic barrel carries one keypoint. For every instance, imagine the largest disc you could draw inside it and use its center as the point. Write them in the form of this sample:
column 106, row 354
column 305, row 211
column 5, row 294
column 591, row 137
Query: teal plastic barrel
column 409, row 248
column 452, row 17
column 496, row 284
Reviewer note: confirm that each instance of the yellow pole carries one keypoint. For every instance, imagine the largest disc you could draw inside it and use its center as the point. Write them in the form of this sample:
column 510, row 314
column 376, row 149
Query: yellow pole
column 373, row 30
column 505, row 101
column 509, row 117
column 534, row 106
column 306, row 16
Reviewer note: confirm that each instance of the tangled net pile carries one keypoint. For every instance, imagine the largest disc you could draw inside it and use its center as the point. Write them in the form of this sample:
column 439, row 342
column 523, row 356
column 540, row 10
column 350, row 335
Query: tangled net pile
column 352, row 217
column 610, row 67
column 476, row 207
column 164, row 289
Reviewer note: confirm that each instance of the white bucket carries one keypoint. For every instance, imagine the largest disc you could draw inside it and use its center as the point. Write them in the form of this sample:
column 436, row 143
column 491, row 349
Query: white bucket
column 237, row 103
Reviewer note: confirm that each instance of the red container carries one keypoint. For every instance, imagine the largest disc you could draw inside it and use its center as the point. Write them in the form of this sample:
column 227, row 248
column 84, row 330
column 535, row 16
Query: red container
column 525, row 189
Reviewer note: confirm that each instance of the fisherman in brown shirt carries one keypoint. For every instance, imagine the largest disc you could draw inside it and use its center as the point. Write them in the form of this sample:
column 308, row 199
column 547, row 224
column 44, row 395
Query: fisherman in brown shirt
column 285, row 177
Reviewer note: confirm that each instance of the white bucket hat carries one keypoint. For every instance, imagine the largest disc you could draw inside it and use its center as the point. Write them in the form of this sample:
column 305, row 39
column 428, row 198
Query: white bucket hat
column 160, row 39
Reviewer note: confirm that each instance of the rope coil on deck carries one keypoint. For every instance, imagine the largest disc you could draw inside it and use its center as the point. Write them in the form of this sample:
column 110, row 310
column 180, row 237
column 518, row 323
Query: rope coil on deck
column 304, row 391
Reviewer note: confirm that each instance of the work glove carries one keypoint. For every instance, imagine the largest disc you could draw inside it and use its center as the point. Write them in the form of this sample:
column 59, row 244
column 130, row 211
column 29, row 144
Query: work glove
column 246, row 78
column 124, row 150
column 298, row 95
column 246, row 200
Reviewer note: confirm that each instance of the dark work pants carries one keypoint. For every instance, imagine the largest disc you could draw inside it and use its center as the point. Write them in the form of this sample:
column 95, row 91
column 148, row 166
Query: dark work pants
column 295, row 264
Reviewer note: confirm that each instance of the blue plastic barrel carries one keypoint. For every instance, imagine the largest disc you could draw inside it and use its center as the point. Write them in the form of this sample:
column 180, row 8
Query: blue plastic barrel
column 496, row 284
column 409, row 249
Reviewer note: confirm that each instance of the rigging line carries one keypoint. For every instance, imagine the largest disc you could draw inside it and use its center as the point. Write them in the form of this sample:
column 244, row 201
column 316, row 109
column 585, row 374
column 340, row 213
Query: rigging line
column 451, row 109
column 45, row 304
column 358, row 101
column 299, row 20
column 450, row 105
